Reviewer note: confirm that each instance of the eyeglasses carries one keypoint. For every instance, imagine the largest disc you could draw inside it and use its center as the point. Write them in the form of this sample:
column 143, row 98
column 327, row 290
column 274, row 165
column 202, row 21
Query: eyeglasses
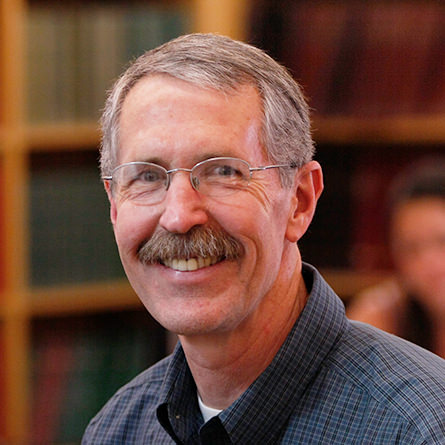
column 147, row 183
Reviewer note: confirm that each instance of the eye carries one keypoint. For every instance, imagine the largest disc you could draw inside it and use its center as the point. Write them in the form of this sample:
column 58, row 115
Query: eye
column 222, row 170
column 136, row 176
column 226, row 170
column 221, row 176
column 150, row 175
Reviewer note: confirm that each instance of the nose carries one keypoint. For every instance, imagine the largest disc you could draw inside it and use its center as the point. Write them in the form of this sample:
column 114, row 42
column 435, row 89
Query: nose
column 183, row 205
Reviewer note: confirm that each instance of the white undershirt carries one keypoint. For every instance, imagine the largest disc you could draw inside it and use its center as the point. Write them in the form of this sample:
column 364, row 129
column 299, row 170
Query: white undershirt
column 206, row 411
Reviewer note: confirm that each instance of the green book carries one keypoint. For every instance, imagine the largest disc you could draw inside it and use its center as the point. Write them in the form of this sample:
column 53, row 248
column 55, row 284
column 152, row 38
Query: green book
column 41, row 32
column 109, row 351
column 70, row 230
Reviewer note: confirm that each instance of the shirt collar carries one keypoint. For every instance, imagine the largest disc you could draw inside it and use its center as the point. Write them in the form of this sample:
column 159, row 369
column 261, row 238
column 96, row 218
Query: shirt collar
column 264, row 408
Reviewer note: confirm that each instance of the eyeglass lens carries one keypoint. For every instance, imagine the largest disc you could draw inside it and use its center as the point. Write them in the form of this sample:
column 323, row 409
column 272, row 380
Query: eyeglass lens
column 146, row 182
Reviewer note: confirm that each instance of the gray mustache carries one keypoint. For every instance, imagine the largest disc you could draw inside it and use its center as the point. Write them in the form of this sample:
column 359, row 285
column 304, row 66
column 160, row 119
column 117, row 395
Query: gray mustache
column 197, row 242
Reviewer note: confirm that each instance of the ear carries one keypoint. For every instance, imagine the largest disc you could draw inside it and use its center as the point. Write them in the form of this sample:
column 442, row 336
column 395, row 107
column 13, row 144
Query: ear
column 307, row 189
column 113, row 210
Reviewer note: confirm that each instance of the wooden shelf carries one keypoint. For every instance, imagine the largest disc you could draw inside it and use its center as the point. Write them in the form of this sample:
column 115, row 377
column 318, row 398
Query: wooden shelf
column 347, row 282
column 84, row 298
column 50, row 138
column 410, row 129
column 56, row 137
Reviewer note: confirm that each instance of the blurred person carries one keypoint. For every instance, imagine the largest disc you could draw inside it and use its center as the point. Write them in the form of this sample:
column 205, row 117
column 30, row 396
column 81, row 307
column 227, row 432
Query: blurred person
column 412, row 303
column 207, row 162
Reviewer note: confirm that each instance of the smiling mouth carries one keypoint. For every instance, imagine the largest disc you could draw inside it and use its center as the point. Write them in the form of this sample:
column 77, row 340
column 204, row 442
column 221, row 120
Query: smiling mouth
column 192, row 264
column 200, row 247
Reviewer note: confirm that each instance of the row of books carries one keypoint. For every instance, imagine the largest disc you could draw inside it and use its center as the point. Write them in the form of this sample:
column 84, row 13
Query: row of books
column 78, row 364
column 74, row 54
column 70, row 230
column 363, row 58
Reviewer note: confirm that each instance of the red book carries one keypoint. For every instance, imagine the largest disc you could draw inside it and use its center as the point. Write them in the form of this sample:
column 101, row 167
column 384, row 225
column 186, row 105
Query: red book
column 313, row 41
column 54, row 360
column 431, row 94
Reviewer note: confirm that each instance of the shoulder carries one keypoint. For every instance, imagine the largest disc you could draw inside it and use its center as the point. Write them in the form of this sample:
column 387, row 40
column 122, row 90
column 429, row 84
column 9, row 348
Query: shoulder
column 379, row 305
column 123, row 412
column 396, row 376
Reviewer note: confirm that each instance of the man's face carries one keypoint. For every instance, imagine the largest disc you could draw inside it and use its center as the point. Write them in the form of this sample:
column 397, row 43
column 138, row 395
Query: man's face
column 418, row 233
column 175, row 124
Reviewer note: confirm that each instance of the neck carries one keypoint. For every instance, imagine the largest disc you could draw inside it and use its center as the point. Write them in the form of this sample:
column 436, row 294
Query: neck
column 224, row 365
column 439, row 337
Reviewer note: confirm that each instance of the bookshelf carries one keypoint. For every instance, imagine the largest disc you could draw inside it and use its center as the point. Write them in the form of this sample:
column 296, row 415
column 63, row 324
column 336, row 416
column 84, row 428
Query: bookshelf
column 56, row 61
column 33, row 145
column 373, row 74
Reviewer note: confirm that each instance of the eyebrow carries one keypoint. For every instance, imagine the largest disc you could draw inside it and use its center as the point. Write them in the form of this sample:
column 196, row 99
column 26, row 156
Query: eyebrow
column 203, row 157
column 154, row 160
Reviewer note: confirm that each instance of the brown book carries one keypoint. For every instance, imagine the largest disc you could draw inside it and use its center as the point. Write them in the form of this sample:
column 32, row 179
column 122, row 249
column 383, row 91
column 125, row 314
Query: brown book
column 431, row 93
column 313, row 42
column 390, row 71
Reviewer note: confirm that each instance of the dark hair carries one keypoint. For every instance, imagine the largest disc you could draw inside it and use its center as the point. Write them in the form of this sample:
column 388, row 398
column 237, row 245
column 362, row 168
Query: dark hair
column 423, row 179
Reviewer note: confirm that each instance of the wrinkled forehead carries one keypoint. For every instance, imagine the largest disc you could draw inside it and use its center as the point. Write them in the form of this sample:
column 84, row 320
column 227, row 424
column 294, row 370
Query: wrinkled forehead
column 166, row 111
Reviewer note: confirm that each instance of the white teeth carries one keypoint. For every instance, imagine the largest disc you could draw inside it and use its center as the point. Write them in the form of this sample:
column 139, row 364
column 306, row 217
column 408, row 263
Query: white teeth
column 191, row 264
column 178, row 264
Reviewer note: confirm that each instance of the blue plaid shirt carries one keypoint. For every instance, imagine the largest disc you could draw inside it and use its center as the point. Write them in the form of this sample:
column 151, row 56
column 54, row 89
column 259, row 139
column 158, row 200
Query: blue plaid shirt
column 332, row 382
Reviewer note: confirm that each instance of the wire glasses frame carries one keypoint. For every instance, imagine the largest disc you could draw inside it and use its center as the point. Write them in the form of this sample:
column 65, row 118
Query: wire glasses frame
column 147, row 183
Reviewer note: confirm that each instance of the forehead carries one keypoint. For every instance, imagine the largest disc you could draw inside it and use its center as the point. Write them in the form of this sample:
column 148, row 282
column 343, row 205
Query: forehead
column 418, row 217
column 162, row 111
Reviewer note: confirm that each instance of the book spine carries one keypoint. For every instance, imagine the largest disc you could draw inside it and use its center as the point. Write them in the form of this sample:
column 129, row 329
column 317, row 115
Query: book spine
column 71, row 234
column 79, row 363
column 365, row 59
column 75, row 55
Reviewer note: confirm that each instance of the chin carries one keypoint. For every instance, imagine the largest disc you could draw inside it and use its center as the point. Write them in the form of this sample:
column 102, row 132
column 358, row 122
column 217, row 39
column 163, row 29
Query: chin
column 190, row 324
column 190, row 329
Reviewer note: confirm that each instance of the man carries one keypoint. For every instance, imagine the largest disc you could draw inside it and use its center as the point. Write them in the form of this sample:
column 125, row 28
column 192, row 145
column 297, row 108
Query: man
column 411, row 304
column 207, row 164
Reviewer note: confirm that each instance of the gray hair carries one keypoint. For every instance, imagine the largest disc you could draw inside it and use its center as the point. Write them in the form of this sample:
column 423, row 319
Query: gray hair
column 222, row 64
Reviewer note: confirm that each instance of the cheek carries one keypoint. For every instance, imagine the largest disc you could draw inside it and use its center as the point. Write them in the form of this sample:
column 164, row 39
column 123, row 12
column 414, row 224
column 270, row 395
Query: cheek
column 259, row 195
column 133, row 225
column 259, row 222
column 415, row 274
column 409, row 267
